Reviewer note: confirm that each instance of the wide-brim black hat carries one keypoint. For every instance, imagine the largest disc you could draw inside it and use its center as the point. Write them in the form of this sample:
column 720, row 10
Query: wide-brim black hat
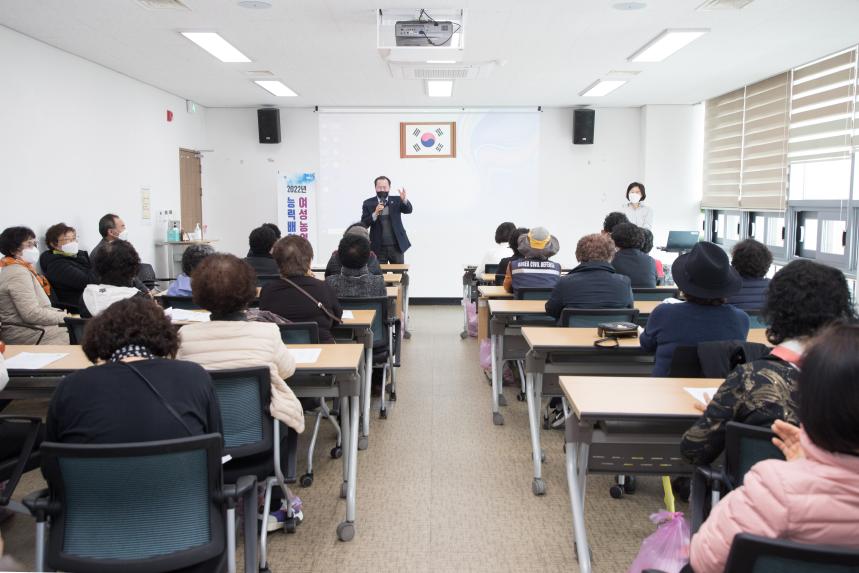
column 706, row 272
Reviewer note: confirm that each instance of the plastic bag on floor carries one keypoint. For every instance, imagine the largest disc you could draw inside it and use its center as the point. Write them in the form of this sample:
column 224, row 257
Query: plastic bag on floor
column 471, row 315
column 485, row 354
column 668, row 548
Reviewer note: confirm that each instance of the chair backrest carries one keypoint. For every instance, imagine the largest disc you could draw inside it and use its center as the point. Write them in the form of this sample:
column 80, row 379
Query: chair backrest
column 646, row 293
column 147, row 275
column 150, row 506
column 183, row 302
column 685, row 363
column 380, row 321
column 263, row 280
column 243, row 396
column 76, row 328
column 756, row 320
column 591, row 317
column 299, row 333
column 754, row 554
column 532, row 293
column 490, row 269
column 745, row 446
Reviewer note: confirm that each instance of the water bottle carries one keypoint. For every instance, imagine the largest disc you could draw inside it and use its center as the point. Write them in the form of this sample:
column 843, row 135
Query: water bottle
column 175, row 235
column 198, row 233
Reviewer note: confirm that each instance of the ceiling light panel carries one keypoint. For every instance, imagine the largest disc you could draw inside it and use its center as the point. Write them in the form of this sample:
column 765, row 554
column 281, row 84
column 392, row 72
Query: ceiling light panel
column 665, row 44
column 601, row 88
column 217, row 46
column 439, row 88
column 276, row 87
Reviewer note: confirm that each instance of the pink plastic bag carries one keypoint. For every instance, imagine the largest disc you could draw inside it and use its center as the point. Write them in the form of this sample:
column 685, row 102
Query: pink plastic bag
column 485, row 354
column 668, row 548
column 471, row 314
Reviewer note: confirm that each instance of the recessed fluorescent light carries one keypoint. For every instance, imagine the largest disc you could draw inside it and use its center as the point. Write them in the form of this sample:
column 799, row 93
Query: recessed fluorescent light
column 217, row 46
column 666, row 44
column 441, row 61
column 439, row 88
column 602, row 87
column 276, row 87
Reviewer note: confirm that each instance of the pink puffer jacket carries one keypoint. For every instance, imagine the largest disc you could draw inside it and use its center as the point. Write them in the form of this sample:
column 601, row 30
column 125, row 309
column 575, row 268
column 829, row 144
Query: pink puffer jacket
column 813, row 500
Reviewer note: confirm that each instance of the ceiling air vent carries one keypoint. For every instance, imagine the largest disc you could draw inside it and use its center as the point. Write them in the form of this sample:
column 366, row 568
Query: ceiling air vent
column 420, row 71
column 711, row 5
column 162, row 5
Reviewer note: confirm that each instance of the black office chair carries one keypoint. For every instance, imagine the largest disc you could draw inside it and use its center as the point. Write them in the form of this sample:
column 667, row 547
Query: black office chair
column 591, row 317
column 756, row 319
column 532, row 293
column 646, row 293
column 182, row 302
column 28, row 432
column 263, row 280
column 252, row 438
column 76, row 328
column 308, row 333
column 151, row 506
column 685, row 363
column 41, row 331
column 147, row 276
column 755, row 554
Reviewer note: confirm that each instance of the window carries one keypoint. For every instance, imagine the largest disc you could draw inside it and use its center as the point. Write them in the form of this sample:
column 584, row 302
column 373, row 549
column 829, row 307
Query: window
column 822, row 234
column 727, row 228
column 820, row 180
column 769, row 229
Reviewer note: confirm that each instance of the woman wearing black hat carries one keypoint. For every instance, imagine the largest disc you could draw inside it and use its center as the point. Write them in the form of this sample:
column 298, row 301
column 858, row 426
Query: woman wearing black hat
column 706, row 279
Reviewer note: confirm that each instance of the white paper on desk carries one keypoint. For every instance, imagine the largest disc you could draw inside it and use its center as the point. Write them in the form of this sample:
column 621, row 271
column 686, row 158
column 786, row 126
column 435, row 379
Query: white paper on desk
column 305, row 355
column 33, row 360
column 672, row 300
column 698, row 393
column 183, row 315
column 347, row 314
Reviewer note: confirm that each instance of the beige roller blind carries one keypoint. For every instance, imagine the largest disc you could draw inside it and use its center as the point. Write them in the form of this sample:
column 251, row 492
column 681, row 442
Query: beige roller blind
column 822, row 109
column 764, row 158
column 723, row 147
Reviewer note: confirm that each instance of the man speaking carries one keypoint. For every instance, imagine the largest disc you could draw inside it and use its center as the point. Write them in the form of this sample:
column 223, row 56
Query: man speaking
column 382, row 214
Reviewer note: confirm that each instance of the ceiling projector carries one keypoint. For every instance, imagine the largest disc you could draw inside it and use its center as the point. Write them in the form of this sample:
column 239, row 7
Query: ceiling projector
column 424, row 33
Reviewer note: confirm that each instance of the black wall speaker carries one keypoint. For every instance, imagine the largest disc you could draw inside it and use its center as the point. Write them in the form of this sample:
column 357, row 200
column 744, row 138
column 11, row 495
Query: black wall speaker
column 268, row 121
column 583, row 126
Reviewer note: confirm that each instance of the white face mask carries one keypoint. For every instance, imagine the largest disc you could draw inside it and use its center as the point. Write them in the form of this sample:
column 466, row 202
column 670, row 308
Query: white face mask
column 30, row 255
column 634, row 197
column 70, row 248
column 123, row 235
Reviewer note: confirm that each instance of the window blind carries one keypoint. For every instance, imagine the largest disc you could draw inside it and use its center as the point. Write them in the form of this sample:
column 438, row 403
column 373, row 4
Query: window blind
column 723, row 146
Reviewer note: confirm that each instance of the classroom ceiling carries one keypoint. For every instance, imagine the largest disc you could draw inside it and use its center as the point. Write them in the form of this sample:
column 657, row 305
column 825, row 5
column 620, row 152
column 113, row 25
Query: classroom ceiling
column 325, row 50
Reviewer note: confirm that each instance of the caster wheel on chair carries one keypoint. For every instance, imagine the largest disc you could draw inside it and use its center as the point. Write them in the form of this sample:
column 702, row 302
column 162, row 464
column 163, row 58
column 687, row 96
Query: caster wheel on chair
column 363, row 442
column 502, row 401
column 497, row 419
column 545, row 423
column 543, row 456
column 307, row 480
column 289, row 525
column 520, row 396
column 616, row 491
column 264, row 569
column 343, row 490
column 463, row 335
column 538, row 486
column 629, row 484
column 383, row 414
column 336, row 452
column 346, row 531
column 393, row 397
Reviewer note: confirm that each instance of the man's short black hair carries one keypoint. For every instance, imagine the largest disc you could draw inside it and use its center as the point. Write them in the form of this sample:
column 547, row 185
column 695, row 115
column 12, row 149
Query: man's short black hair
column 503, row 232
column 379, row 178
column 627, row 236
column 612, row 219
column 828, row 392
column 193, row 256
column 803, row 297
column 261, row 240
column 353, row 251
column 751, row 258
column 273, row 227
column 12, row 238
column 117, row 263
column 107, row 223
column 647, row 245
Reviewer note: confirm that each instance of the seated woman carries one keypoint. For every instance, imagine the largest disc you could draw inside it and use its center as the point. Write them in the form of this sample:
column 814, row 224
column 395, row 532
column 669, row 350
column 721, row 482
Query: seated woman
column 646, row 247
column 192, row 257
column 501, row 249
column 802, row 297
column 813, row 495
column 513, row 243
column 334, row 264
column 706, row 279
column 261, row 240
column 354, row 279
column 630, row 260
column 116, row 268
column 66, row 267
column 225, row 286
column 594, row 282
column 25, row 294
column 299, row 296
column 752, row 260
column 534, row 269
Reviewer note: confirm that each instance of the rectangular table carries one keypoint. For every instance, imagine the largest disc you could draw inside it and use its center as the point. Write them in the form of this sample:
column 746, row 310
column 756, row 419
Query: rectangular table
column 485, row 293
column 399, row 269
column 650, row 413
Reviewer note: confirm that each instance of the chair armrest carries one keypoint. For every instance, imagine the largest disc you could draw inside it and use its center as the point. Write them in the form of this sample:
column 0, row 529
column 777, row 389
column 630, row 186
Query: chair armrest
column 711, row 474
column 40, row 505
column 29, row 327
column 230, row 493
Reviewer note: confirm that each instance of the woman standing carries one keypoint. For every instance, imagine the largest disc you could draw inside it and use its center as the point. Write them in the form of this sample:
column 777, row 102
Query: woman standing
column 638, row 214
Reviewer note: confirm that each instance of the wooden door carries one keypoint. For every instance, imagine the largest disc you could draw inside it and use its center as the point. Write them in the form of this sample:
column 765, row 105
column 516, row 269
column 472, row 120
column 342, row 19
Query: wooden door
column 191, row 189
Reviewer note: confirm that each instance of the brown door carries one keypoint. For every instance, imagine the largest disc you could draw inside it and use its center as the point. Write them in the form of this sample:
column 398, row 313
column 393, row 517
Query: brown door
column 191, row 189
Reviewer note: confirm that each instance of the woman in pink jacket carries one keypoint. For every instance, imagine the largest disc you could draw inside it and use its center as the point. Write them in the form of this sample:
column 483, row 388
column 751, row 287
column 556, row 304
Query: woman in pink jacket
column 813, row 497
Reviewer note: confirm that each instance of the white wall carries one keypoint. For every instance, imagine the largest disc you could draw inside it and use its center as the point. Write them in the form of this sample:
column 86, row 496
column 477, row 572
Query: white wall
column 79, row 140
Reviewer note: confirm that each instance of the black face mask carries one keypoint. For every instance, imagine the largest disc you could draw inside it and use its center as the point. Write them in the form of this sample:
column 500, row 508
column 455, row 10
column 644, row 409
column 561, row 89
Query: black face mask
column 381, row 196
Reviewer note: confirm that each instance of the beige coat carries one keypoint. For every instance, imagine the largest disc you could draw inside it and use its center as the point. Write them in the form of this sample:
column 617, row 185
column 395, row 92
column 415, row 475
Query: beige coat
column 219, row 345
column 23, row 300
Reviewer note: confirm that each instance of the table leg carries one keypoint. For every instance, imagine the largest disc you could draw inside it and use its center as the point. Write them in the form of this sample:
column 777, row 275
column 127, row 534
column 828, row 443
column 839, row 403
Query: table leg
column 367, row 380
column 406, row 333
column 538, row 486
column 466, row 301
column 497, row 418
column 346, row 529
column 577, row 505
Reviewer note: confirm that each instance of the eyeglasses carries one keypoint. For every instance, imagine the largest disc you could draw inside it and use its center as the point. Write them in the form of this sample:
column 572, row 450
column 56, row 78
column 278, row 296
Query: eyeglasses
column 31, row 243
